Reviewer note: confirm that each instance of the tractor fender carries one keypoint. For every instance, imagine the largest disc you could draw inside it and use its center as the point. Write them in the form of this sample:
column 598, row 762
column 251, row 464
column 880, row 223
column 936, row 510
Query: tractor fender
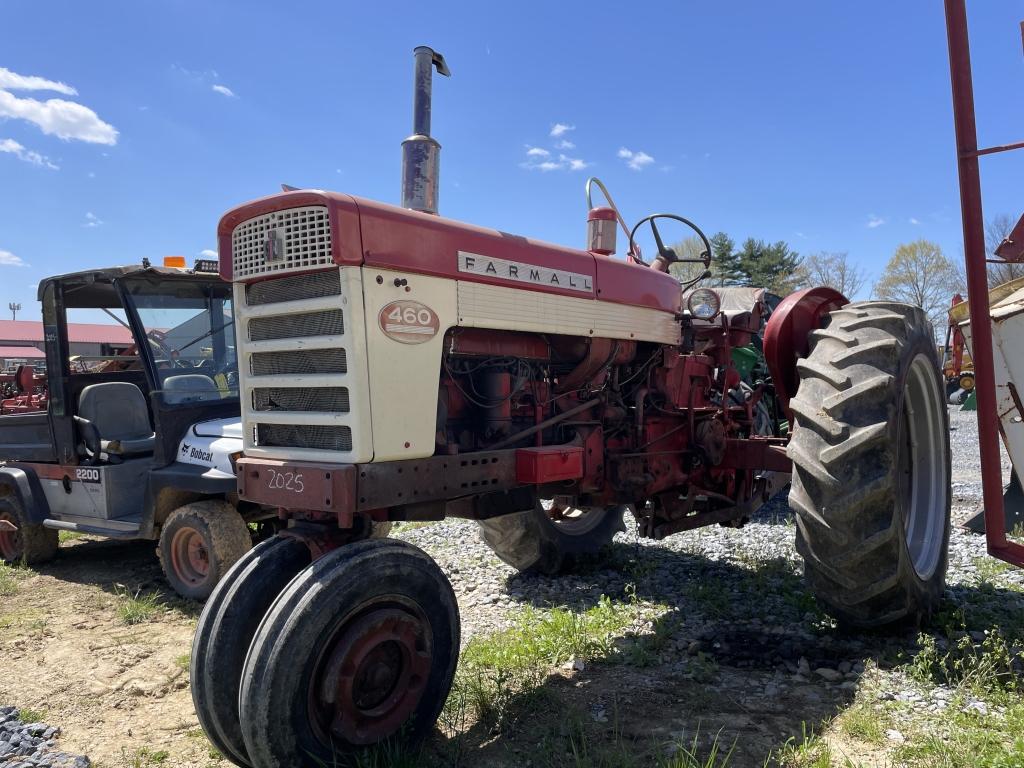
column 23, row 484
column 787, row 337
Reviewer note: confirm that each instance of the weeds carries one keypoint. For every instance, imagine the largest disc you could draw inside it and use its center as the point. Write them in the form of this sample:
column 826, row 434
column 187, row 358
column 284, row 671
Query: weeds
column 691, row 756
column 982, row 668
column 27, row 715
column 137, row 608
column 184, row 662
column 143, row 757
column 509, row 667
column 809, row 752
column 9, row 578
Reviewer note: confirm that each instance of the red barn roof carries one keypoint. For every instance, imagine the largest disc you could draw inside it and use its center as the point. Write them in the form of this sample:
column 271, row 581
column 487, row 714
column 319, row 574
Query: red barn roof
column 26, row 353
column 88, row 333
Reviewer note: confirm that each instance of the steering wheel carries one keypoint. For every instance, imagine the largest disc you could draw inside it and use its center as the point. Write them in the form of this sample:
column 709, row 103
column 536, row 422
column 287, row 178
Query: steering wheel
column 668, row 255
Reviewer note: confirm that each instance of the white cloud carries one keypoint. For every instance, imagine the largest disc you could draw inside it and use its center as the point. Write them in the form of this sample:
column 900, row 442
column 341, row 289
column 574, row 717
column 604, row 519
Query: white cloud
column 92, row 220
column 8, row 259
column 565, row 144
column 635, row 160
column 573, row 163
column 224, row 91
column 913, row 221
column 541, row 161
column 12, row 81
column 67, row 120
column 874, row 221
column 208, row 253
column 559, row 128
column 10, row 146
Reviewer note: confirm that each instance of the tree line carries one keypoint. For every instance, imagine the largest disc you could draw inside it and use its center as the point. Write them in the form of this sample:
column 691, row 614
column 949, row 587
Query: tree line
column 918, row 272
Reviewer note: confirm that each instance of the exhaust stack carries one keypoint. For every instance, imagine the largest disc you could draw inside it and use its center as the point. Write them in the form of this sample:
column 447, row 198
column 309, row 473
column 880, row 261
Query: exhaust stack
column 421, row 154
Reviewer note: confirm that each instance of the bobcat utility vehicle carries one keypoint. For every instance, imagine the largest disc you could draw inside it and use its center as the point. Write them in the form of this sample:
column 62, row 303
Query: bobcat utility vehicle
column 135, row 444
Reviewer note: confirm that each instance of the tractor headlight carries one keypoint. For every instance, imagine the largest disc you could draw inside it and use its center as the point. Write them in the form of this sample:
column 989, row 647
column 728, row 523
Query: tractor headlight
column 704, row 303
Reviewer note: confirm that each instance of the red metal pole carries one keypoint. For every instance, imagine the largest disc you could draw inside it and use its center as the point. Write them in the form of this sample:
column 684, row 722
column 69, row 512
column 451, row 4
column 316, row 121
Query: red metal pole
column 977, row 278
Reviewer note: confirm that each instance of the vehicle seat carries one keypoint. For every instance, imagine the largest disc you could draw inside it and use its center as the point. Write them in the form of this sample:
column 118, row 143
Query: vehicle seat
column 117, row 410
column 190, row 388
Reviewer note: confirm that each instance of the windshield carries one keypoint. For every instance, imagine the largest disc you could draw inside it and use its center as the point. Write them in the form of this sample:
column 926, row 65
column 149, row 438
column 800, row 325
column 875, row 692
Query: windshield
column 191, row 339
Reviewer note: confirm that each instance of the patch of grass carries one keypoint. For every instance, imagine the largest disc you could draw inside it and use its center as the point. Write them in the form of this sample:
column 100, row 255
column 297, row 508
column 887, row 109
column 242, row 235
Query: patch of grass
column 864, row 723
column 184, row 662
column 807, row 752
column 199, row 735
column 25, row 618
column 27, row 715
column 143, row 757
column 990, row 568
column 712, row 598
column 410, row 525
column 508, row 667
column 692, row 756
column 986, row 667
column 137, row 608
column 9, row 577
column 964, row 737
column 65, row 536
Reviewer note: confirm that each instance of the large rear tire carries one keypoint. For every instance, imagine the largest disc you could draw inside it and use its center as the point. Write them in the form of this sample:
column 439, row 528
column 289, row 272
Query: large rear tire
column 533, row 541
column 226, row 629
column 359, row 649
column 871, row 461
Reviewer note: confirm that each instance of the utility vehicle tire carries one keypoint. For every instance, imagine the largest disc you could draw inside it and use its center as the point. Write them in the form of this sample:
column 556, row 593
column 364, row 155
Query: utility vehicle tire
column 225, row 630
column 871, row 466
column 360, row 648
column 31, row 544
column 532, row 541
column 199, row 542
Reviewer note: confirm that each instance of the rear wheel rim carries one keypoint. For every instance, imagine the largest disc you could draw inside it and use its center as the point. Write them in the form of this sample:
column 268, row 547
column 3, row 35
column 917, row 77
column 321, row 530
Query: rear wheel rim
column 370, row 677
column 190, row 556
column 923, row 469
column 571, row 519
column 10, row 541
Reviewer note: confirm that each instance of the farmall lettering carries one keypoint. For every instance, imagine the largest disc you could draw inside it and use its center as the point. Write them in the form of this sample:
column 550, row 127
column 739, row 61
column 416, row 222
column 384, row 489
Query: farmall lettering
column 408, row 322
column 521, row 272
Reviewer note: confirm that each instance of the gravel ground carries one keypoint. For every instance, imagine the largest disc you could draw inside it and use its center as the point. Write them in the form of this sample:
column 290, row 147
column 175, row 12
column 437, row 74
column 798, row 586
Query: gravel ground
column 746, row 649
column 31, row 745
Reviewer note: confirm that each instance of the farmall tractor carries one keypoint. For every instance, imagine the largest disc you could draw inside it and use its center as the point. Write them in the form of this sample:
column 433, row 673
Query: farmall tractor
column 397, row 365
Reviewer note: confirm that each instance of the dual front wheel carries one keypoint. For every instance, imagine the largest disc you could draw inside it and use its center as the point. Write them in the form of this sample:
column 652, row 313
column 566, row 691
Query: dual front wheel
column 298, row 663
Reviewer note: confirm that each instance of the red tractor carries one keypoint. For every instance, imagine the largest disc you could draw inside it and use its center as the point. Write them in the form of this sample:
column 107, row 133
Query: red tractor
column 396, row 365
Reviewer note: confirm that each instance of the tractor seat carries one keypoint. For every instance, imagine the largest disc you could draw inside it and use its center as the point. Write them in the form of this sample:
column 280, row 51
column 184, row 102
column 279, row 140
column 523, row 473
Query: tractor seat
column 190, row 388
column 118, row 412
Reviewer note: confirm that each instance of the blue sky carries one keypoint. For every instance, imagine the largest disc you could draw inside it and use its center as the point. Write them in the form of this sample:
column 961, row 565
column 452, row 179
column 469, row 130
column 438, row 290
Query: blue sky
column 130, row 127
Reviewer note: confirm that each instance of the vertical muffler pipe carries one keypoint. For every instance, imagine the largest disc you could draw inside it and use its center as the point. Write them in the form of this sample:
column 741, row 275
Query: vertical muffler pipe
column 421, row 154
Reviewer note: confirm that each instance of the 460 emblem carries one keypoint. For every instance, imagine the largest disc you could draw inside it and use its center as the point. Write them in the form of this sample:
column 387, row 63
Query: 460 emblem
column 408, row 322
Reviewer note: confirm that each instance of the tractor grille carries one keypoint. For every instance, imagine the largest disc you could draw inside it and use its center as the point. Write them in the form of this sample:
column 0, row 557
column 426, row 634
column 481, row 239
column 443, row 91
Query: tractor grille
column 303, row 366
column 282, row 241
column 321, row 438
column 327, row 323
column 334, row 399
column 299, row 361
column 293, row 288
